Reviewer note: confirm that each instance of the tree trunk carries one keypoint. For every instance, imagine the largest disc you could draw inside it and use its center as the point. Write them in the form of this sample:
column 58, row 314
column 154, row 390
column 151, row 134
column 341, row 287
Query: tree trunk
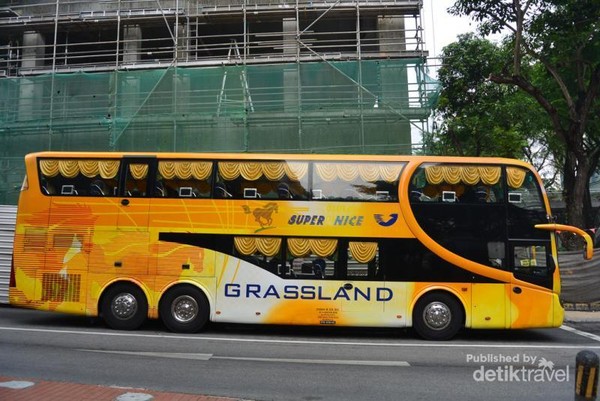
column 576, row 179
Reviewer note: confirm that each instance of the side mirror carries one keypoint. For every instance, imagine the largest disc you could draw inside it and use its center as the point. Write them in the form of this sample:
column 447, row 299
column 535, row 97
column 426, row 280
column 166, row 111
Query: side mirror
column 588, row 251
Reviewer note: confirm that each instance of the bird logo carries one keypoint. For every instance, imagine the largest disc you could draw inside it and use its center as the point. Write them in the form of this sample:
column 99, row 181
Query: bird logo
column 391, row 219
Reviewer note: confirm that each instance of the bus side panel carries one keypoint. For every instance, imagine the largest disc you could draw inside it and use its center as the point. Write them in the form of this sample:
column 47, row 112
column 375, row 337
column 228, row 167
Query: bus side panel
column 489, row 308
column 29, row 250
column 30, row 241
column 249, row 294
column 116, row 253
column 532, row 307
column 174, row 263
column 277, row 218
column 64, row 275
column 50, row 253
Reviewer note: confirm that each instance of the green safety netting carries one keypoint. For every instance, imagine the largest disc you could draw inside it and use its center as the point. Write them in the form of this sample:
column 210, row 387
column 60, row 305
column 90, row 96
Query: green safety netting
column 316, row 107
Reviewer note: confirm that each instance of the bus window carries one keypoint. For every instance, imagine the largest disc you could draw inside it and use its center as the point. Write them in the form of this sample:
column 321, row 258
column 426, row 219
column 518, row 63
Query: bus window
column 525, row 205
column 523, row 190
column 78, row 177
column 531, row 260
column 451, row 183
column 312, row 258
column 363, row 261
column 264, row 180
column 183, row 179
column 460, row 207
column 409, row 260
column 136, row 180
column 376, row 182
column 312, row 267
column 263, row 252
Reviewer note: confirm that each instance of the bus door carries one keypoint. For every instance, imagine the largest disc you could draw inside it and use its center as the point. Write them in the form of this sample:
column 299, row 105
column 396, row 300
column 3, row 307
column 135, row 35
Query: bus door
column 529, row 251
column 133, row 198
column 531, row 263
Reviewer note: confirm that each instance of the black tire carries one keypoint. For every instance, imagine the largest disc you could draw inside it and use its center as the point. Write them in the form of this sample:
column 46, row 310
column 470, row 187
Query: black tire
column 124, row 307
column 438, row 316
column 184, row 309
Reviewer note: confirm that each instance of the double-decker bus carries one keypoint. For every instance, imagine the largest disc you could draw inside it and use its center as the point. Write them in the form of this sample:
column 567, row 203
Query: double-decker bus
column 433, row 243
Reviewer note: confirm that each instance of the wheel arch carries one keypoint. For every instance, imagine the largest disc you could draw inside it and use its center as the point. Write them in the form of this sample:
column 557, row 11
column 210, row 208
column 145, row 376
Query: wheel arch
column 440, row 290
column 165, row 290
column 126, row 281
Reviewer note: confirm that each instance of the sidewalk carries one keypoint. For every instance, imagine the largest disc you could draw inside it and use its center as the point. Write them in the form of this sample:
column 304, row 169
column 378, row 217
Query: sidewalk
column 582, row 316
column 40, row 390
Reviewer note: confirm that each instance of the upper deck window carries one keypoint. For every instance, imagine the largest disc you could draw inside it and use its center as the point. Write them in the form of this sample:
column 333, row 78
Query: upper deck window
column 82, row 177
column 262, row 180
column 524, row 191
column 457, row 183
column 356, row 181
column 183, row 179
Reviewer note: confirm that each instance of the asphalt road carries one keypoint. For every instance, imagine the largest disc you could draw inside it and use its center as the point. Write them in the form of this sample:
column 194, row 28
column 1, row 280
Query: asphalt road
column 294, row 363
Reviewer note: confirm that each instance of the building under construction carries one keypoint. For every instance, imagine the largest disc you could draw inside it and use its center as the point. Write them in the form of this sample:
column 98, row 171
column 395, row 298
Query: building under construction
column 209, row 75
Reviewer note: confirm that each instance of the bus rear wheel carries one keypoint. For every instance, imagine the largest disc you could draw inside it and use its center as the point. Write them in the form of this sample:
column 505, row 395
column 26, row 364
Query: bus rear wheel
column 184, row 309
column 124, row 307
column 438, row 316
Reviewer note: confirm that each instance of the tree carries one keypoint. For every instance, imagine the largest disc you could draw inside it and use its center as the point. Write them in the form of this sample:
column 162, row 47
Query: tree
column 562, row 36
column 481, row 118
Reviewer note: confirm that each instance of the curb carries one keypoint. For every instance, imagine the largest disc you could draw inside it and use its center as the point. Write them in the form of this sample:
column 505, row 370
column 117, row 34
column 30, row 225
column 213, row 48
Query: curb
column 581, row 306
column 17, row 389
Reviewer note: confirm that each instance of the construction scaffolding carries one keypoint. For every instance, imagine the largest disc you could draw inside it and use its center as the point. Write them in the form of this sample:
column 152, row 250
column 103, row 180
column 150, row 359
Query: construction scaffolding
column 199, row 75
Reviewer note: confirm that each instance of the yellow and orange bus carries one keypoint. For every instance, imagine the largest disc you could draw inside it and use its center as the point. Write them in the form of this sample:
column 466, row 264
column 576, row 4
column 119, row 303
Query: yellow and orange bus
column 434, row 243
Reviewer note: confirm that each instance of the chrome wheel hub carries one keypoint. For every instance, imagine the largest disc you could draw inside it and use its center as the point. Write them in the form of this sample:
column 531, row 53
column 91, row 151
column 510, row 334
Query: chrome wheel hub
column 124, row 306
column 184, row 309
column 437, row 315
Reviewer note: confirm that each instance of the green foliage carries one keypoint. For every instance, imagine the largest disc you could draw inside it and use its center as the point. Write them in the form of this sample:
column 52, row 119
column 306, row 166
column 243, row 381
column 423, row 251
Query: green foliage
column 551, row 55
column 481, row 118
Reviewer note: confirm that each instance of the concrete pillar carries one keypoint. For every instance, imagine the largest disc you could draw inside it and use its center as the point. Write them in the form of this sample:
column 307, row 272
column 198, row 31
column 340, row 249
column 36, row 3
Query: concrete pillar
column 290, row 44
column 132, row 39
column 394, row 81
column 33, row 50
column 182, row 42
column 392, row 34
column 393, row 92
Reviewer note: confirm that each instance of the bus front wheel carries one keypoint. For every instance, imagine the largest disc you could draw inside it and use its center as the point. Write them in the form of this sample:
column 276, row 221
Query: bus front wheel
column 124, row 307
column 438, row 316
column 184, row 309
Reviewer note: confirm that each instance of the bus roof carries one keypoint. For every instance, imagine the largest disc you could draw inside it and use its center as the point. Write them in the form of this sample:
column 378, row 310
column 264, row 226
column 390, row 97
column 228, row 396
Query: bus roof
column 281, row 156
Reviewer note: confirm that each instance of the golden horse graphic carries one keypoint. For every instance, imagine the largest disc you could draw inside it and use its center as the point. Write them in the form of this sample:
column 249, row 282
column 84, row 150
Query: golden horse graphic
column 262, row 215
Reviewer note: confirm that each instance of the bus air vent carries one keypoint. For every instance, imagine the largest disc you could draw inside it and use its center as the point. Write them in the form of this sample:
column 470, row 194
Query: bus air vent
column 58, row 287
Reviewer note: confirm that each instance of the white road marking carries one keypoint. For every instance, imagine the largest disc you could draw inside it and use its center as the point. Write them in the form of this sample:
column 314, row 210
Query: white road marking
column 174, row 355
column 16, row 385
column 199, row 337
column 135, row 397
column 207, row 357
column 319, row 361
column 581, row 333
